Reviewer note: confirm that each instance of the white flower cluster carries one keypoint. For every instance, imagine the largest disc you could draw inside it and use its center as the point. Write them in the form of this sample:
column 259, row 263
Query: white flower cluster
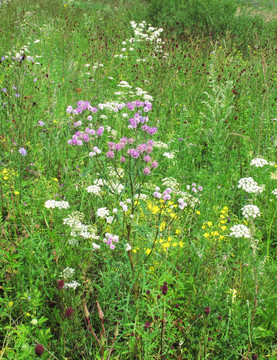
column 95, row 246
column 67, row 273
column 239, row 231
column 170, row 182
column 250, row 185
column 160, row 144
column 72, row 285
column 95, row 151
column 102, row 212
column 124, row 206
column 250, row 211
column 169, row 155
column 141, row 196
column 188, row 198
column 182, row 204
column 128, row 247
column 74, row 220
column 94, row 189
column 52, row 204
column 110, row 240
column 274, row 192
column 258, row 162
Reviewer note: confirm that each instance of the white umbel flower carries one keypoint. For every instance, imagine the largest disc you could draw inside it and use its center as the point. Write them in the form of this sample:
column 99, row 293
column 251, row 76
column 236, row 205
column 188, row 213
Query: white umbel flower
column 102, row 212
column 94, row 189
column 240, row 231
column 52, row 204
column 258, row 162
column 250, row 185
column 250, row 211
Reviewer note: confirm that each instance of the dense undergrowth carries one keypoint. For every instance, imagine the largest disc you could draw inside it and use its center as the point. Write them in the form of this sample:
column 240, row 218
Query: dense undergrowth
column 138, row 181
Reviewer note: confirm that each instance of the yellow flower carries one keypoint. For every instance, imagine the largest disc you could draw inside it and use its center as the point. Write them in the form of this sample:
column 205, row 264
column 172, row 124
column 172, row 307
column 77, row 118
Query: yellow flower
column 55, row 179
column 198, row 212
column 16, row 193
column 10, row 304
column 166, row 245
column 203, row 227
column 223, row 228
column 27, row 314
column 206, row 235
column 178, row 232
column 181, row 244
column 209, row 223
column 148, row 251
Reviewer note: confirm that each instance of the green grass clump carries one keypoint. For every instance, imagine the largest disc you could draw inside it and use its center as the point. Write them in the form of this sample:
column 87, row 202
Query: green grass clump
column 125, row 244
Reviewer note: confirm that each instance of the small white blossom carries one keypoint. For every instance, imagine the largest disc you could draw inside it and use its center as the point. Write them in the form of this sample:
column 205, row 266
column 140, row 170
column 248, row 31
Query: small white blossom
column 250, row 185
column 95, row 189
column 128, row 247
column 72, row 285
column 250, row 211
column 95, row 246
column 52, row 204
column 102, row 212
column 239, row 231
column 169, row 155
column 258, row 162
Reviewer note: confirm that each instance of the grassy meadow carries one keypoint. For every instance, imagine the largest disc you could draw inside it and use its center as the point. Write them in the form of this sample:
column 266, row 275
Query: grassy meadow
column 138, row 180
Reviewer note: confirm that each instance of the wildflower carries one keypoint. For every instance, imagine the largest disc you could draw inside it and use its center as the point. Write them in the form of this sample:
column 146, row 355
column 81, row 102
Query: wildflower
column 169, row 155
column 34, row 322
column 249, row 185
column 95, row 189
column 41, row 123
column 39, row 349
column 250, row 211
column 239, row 231
column 68, row 312
column 146, row 171
column 164, row 288
column 128, row 247
column 60, row 284
column 274, row 192
column 102, row 212
column 147, row 324
column 22, row 151
column 52, row 204
column 72, row 285
column 258, row 162
column 207, row 311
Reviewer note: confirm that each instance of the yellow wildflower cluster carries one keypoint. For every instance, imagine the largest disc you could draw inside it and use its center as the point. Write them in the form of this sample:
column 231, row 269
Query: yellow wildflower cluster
column 217, row 231
column 163, row 208
column 7, row 176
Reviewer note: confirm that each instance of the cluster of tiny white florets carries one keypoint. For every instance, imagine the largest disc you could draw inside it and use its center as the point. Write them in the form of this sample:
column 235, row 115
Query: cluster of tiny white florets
column 239, row 231
column 52, row 204
column 274, row 192
column 72, row 285
column 74, row 220
column 250, row 211
column 250, row 185
column 259, row 162
column 94, row 189
column 67, row 274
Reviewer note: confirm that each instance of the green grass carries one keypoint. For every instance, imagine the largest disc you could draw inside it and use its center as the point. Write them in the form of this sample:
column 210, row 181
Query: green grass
column 214, row 106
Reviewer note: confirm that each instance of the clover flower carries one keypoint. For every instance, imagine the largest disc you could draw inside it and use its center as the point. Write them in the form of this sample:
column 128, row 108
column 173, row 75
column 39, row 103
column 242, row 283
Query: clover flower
column 110, row 240
column 258, row 162
column 22, row 151
column 250, row 185
column 240, row 231
column 250, row 211
column 39, row 349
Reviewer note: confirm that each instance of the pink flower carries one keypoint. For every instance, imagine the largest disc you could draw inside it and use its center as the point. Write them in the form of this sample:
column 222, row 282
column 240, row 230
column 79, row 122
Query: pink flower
column 146, row 171
column 110, row 154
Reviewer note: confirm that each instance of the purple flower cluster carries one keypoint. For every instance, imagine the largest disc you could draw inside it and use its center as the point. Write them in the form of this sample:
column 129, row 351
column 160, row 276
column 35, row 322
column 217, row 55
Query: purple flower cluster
column 166, row 194
column 110, row 239
column 81, row 136
column 81, row 106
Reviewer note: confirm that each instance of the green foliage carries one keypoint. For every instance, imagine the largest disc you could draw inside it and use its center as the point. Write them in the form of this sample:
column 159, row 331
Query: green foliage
column 214, row 105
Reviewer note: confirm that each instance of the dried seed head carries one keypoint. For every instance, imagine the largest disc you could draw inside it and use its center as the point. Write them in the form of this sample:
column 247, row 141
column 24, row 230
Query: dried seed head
column 100, row 312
